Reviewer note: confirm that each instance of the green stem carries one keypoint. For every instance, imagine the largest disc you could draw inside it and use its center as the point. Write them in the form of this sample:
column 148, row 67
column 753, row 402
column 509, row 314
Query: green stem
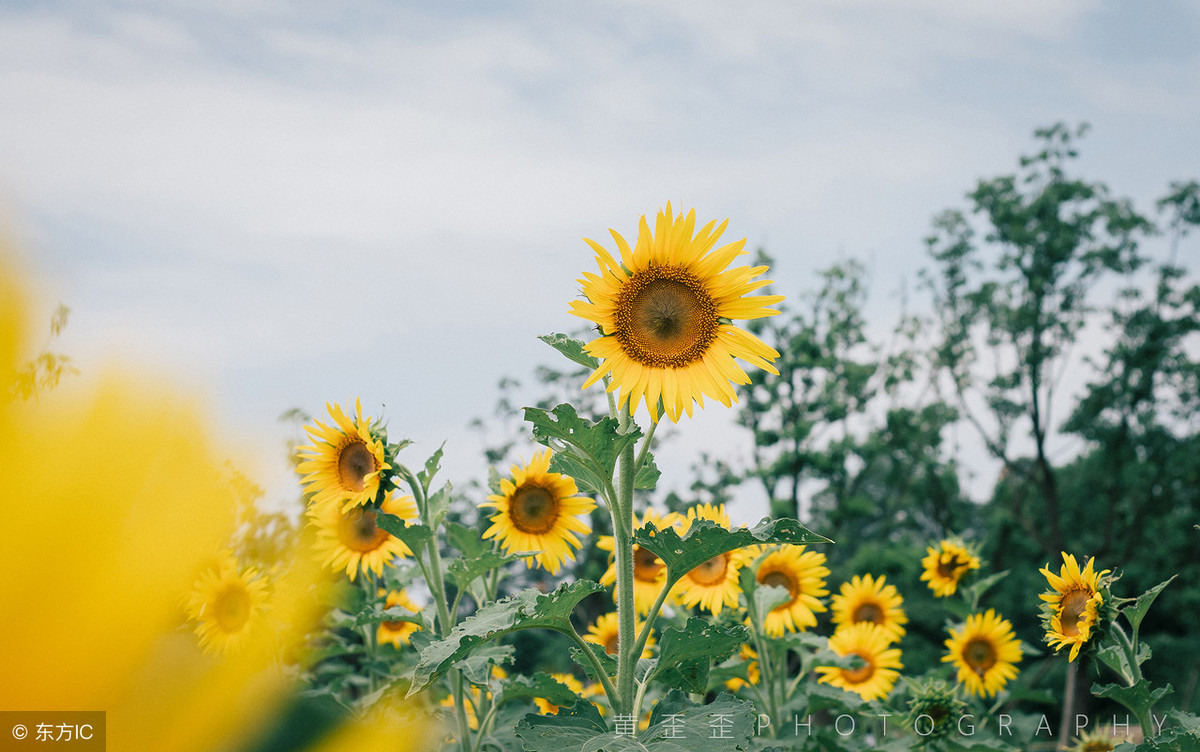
column 647, row 625
column 585, row 647
column 623, row 554
column 765, row 669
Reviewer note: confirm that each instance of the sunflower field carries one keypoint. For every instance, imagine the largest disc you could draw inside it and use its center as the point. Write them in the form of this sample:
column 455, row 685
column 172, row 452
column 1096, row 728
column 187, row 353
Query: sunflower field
column 572, row 605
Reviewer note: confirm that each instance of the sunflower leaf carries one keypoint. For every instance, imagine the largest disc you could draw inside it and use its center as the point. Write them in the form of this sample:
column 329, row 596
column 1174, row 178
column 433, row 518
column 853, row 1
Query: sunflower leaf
column 570, row 728
column 1141, row 606
column 412, row 535
column 464, row 571
column 477, row 667
column 677, row 723
column 375, row 613
column 607, row 662
column 1139, row 698
column 540, row 685
column 584, row 450
column 686, row 655
column 571, row 348
column 465, row 539
column 647, row 474
column 706, row 539
column 529, row 609
column 439, row 505
column 432, row 465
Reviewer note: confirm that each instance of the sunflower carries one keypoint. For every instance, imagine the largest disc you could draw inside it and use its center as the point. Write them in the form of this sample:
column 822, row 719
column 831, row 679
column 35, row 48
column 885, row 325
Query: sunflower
column 875, row 678
column 1102, row 739
column 345, row 460
column 750, row 659
column 649, row 572
column 946, row 565
column 606, row 633
column 712, row 585
column 866, row 598
column 803, row 573
column 225, row 603
column 397, row 633
column 349, row 539
column 1072, row 608
column 538, row 511
column 664, row 314
column 986, row 653
column 545, row 707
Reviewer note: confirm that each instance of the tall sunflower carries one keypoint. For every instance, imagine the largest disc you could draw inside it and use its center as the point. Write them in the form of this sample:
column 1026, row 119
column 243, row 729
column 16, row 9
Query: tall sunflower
column 537, row 510
column 985, row 651
column 1073, row 605
column 866, row 598
column 225, row 603
column 664, row 313
column 397, row 633
column 881, row 664
column 946, row 565
column 649, row 572
column 712, row 585
column 349, row 539
column 605, row 632
column 345, row 461
column 803, row 573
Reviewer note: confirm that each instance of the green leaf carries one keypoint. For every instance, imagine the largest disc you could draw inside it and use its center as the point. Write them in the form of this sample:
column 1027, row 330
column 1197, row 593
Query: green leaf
column 686, row 655
column 413, row 535
column 647, row 475
column 439, row 505
column 539, row 685
column 974, row 592
column 706, row 539
column 724, row 725
column 571, row 348
column 464, row 571
column 584, row 450
column 1137, row 611
column 465, row 539
column 477, row 667
column 1139, row 698
column 432, row 466
column 375, row 613
column 1114, row 655
column 529, row 609
column 569, row 729
column 607, row 662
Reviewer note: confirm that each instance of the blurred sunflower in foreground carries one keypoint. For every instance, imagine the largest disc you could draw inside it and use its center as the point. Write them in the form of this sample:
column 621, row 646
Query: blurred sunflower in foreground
column 124, row 473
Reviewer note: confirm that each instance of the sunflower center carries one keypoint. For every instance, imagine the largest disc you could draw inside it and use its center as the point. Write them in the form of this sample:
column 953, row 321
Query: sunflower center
column 665, row 317
column 711, row 572
column 980, row 655
column 231, row 609
column 358, row 532
column 646, row 566
column 948, row 566
column 612, row 644
column 533, row 510
column 868, row 612
column 355, row 462
column 1073, row 605
column 862, row 673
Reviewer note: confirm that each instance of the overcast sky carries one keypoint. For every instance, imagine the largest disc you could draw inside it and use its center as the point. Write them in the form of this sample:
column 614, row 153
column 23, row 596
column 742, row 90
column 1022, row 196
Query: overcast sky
column 282, row 204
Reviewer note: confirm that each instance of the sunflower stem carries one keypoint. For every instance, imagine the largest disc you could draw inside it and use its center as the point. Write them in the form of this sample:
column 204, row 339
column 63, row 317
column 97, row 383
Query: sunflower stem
column 601, row 674
column 623, row 550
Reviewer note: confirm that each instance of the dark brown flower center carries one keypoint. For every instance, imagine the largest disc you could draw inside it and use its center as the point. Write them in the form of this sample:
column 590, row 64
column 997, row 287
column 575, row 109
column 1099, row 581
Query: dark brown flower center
column 950, row 566
column 711, row 572
column 980, row 655
column 665, row 317
column 231, row 608
column 533, row 510
column 867, row 612
column 646, row 566
column 862, row 673
column 355, row 462
column 1073, row 605
column 612, row 644
column 357, row 531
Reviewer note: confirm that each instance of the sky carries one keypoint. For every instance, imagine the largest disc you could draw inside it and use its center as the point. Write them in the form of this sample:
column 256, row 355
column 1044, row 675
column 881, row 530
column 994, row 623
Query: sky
column 278, row 205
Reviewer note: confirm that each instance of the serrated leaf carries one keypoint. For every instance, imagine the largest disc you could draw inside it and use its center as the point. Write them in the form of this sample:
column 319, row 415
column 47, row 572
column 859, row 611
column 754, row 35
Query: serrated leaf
column 977, row 589
column 464, row 571
column 539, row 685
column 724, row 725
column 1139, row 698
column 569, row 729
column 824, row 696
column 584, row 450
column 1136, row 612
column 686, row 655
column 706, row 539
column 466, row 540
column 571, row 348
column 432, row 466
column 477, row 667
column 529, row 609
column 607, row 662
column 413, row 535
column 647, row 475
column 769, row 597
column 439, row 505
column 375, row 613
